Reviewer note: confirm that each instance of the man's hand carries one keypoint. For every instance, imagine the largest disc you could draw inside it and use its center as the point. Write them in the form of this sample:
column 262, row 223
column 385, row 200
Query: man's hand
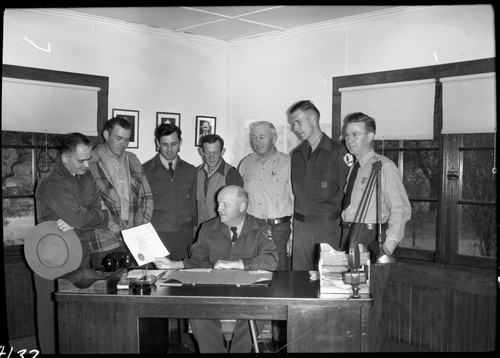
column 63, row 226
column 228, row 265
column 166, row 263
column 289, row 245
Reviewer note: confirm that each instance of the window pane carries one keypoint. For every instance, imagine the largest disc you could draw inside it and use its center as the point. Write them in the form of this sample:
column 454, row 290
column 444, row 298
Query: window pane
column 478, row 140
column 420, row 231
column 479, row 182
column 420, row 174
column 17, row 171
column 18, row 220
column 17, row 138
column 45, row 160
column 477, row 230
column 386, row 144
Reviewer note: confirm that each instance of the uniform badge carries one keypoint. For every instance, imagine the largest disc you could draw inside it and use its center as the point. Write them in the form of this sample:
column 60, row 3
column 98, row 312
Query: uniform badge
column 349, row 159
column 268, row 233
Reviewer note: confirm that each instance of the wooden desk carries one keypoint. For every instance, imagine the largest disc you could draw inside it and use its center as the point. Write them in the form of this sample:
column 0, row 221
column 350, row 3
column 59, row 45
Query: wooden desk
column 110, row 323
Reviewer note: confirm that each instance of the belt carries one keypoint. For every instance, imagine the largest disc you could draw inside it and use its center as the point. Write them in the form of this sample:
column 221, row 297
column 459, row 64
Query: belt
column 314, row 218
column 278, row 221
column 366, row 226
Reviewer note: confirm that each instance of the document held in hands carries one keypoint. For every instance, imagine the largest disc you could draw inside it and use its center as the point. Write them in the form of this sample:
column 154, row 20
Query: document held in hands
column 144, row 243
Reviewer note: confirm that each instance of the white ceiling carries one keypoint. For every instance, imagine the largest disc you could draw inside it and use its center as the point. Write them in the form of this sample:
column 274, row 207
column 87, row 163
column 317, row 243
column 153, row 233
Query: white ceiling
column 231, row 23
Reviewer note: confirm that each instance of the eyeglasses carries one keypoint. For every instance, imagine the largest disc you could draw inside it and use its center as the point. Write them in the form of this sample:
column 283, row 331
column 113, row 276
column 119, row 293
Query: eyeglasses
column 353, row 135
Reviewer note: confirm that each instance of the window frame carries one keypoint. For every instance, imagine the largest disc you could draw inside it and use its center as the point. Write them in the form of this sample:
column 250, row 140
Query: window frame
column 446, row 252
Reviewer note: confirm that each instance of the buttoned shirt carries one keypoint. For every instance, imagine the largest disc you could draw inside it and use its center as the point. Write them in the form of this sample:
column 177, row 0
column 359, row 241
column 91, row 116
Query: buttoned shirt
column 118, row 170
column 267, row 181
column 395, row 206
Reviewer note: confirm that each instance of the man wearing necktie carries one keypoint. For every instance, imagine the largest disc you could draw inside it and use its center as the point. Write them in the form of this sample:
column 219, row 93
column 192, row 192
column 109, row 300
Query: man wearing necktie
column 232, row 240
column 173, row 183
column 318, row 173
column 395, row 206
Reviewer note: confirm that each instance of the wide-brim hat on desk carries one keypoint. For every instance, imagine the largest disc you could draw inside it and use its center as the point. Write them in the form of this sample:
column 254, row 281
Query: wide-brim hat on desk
column 52, row 253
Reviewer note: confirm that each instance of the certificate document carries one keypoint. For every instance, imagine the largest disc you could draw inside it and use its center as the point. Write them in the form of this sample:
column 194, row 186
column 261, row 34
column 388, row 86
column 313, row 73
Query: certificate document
column 144, row 243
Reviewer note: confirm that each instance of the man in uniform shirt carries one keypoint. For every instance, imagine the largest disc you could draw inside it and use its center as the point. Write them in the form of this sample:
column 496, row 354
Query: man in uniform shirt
column 213, row 174
column 266, row 177
column 318, row 176
column 122, row 185
column 232, row 240
column 396, row 211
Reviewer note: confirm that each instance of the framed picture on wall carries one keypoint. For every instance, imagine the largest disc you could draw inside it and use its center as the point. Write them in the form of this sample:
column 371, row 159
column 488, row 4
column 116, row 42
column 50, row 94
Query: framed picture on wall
column 204, row 125
column 133, row 117
column 173, row 118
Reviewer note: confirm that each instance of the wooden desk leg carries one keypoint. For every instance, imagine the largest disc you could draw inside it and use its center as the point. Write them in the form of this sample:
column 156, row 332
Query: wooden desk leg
column 327, row 329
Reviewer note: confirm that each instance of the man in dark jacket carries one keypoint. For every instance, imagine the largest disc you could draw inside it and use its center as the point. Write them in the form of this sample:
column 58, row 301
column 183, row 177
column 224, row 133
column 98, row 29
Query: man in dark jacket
column 319, row 173
column 173, row 183
column 233, row 240
column 69, row 196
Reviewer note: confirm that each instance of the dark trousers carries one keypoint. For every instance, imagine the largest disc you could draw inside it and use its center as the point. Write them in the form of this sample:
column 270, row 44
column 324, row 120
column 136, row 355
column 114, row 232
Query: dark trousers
column 281, row 234
column 208, row 334
column 306, row 239
column 379, row 276
column 177, row 243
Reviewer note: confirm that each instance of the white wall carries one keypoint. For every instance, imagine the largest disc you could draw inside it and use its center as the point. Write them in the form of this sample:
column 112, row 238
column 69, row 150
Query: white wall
column 148, row 71
column 268, row 76
column 154, row 71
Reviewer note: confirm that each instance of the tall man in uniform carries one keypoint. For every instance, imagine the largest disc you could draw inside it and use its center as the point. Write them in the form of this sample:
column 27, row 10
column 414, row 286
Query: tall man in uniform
column 266, row 176
column 213, row 174
column 396, row 211
column 319, row 171
column 123, row 186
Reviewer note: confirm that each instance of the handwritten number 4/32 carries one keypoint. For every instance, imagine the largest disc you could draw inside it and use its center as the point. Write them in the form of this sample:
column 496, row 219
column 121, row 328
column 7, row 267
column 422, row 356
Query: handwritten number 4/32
column 32, row 353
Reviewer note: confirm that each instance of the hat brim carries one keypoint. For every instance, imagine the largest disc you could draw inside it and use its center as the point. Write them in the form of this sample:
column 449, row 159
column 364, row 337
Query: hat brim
column 38, row 243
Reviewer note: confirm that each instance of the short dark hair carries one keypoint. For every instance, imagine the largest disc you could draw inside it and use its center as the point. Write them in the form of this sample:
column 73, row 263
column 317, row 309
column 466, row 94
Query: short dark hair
column 359, row 117
column 212, row 138
column 111, row 123
column 166, row 129
column 71, row 140
column 305, row 106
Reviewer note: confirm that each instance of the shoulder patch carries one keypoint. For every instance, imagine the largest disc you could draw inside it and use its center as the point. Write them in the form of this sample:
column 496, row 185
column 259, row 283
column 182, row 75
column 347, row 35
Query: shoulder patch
column 349, row 159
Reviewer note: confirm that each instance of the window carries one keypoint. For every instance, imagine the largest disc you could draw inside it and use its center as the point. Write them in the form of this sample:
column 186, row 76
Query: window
column 450, row 179
column 26, row 156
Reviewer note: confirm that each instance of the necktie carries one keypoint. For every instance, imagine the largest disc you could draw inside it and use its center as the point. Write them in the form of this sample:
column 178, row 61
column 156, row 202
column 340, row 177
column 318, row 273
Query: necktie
column 350, row 184
column 171, row 169
column 309, row 153
column 235, row 234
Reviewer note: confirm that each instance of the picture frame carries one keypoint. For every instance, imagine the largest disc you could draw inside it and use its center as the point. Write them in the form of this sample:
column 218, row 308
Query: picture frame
column 133, row 117
column 173, row 118
column 204, row 125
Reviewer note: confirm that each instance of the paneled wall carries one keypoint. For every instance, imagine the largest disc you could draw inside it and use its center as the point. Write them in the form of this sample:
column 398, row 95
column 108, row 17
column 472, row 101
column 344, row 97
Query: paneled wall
column 20, row 294
column 430, row 307
column 442, row 309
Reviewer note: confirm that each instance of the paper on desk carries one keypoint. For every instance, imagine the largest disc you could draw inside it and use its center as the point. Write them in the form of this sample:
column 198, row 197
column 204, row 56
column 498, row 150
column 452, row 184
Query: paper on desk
column 144, row 243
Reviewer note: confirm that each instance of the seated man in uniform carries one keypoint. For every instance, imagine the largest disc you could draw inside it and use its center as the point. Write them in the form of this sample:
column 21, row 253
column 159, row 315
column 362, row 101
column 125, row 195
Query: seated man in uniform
column 233, row 240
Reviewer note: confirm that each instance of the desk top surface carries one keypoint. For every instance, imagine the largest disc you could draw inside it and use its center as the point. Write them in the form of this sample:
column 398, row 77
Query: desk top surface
column 285, row 286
